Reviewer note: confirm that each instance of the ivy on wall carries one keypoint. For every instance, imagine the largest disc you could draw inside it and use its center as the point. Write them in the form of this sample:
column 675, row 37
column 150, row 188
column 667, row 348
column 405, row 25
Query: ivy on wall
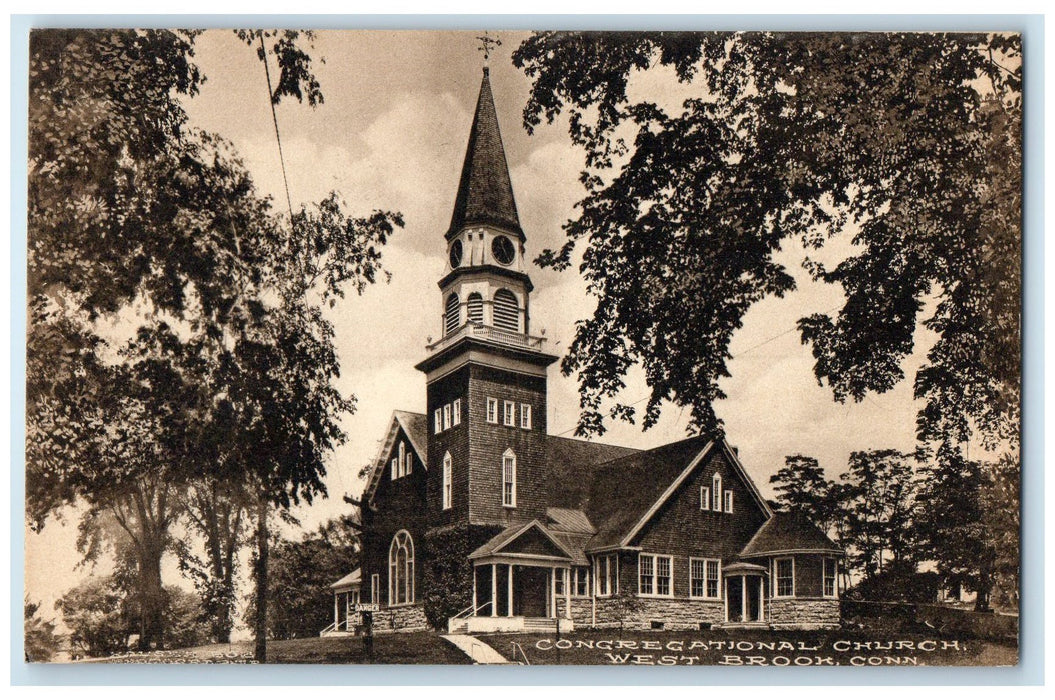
column 448, row 574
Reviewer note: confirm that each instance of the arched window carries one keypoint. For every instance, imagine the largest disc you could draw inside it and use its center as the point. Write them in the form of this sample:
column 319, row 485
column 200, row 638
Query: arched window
column 716, row 491
column 475, row 308
column 401, row 569
column 509, row 479
column 447, row 489
column 451, row 317
column 506, row 311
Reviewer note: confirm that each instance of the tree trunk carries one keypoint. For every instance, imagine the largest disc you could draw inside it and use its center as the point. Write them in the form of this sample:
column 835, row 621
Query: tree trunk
column 261, row 581
column 151, row 599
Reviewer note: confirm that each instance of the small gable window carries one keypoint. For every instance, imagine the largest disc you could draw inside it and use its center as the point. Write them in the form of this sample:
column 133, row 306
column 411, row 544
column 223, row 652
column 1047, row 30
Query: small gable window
column 705, row 498
column 716, row 490
column 728, row 503
column 447, row 488
column 395, row 469
column 402, row 467
column 509, row 479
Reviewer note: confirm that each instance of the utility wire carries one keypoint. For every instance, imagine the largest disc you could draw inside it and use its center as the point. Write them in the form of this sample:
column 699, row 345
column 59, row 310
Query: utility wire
column 274, row 118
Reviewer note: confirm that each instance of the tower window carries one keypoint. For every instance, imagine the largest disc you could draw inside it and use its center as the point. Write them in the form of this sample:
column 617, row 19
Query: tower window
column 509, row 413
column 456, row 412
column 446, row 416
column 475, row 308
column 506, row 311
column 509, row 479
column 452, row 315
column 447, row 481
column 492, row 410
column 525, row 416
column 437, row 419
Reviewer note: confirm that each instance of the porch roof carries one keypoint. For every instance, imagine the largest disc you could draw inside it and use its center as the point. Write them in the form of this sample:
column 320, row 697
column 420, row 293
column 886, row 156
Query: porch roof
column 352, row 580
column 567, row 548
column 788, row 533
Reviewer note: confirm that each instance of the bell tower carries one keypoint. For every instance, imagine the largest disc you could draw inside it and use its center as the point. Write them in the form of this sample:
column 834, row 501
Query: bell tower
column 486, row 376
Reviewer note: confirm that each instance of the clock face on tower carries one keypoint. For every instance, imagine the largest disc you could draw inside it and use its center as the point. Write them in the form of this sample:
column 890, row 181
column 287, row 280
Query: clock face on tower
column 456, row 254
column 503, row 250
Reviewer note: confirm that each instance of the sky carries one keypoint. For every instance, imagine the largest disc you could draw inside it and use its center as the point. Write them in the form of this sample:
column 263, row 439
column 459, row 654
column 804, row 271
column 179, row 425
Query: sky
column 391, row 134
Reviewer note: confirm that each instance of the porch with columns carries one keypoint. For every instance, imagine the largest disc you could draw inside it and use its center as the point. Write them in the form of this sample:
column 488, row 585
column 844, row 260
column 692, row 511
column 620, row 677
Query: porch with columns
column 514, row 593
column 745, row 594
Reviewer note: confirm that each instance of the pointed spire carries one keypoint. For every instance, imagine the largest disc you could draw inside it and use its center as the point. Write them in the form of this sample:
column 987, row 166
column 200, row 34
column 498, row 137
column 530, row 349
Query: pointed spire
column 485, row 192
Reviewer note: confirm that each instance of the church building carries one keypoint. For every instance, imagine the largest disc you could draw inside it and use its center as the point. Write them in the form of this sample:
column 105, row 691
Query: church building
column 475, row 519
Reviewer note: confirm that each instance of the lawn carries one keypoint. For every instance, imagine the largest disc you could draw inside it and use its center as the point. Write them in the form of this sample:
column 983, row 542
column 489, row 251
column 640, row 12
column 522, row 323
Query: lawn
column 762, row 647
column 402, row 648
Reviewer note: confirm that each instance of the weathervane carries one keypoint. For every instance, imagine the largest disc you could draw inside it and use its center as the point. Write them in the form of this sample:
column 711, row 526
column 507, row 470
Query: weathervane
column 487, row 44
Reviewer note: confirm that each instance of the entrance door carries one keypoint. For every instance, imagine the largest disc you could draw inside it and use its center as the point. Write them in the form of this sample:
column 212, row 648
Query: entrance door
column 530, row 591
column 734, row 599
column 754, row 601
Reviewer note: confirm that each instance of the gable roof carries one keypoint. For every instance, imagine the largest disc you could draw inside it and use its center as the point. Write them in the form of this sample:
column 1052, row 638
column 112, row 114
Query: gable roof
column 416, row 427
column 786, row 533
column 485, row 192
column 628, row 492
column 570, row 467
column 511, row 534
column 350, row 581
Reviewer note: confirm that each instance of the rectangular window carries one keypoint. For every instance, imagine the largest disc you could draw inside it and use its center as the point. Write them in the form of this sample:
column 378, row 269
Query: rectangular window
column 829, row 578
column 601, row 576
column 582, row 582
column 525, row 416
column 705, row 498
column 646, row 574
column 655, row 573
column 713, row 578
column 447, row 489
column 395, row 468
column 703, row 578
column 446, row 416
column 558, row 581
column 509, row 414
column 375, row 588
column 492, row 410
column 728, row 501
column 456, row 412
column 785, row 577
column 509, row 481
column 437, row 419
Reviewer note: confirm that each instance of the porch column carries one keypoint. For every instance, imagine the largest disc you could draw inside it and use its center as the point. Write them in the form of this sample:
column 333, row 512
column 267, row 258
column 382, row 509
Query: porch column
column 567, row 592
column 553, row 591
column 494, row 590
column 347, row 611
column 743, row 598
column 509, row 600
column 761, row 599
column 336, row 610
column 474, row 591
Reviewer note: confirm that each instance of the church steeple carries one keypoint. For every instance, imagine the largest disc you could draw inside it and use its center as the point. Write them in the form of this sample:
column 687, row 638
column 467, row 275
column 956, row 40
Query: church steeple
column 485, row 192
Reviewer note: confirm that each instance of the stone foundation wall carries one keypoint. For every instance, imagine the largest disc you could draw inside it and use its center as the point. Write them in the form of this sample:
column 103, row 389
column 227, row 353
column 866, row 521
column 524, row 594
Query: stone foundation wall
column 407, row 618
column 803, row 613
column 674, row 614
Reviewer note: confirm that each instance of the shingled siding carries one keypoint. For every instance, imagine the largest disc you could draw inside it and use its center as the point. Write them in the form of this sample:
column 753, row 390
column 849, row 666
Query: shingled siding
column 400, row 506
column 803, row 613
column 488, row 441
column 681, row 529
column 454, row 440
column 405, row 618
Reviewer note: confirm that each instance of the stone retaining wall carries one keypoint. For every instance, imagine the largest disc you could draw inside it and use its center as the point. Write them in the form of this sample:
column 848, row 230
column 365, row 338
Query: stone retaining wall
column 803, row 613
column 407, row 618
column 674, row 614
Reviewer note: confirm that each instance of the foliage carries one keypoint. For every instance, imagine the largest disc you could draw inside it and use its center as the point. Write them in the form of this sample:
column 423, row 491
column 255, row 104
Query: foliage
column 898, row 582
column 880, row 498
column 801, row 488
column 1001, row 503
column 909, row 145
column 299, row 577
column 94, row 613
column 447, row 577
column 952, row 524
column 627, row 604
column 41, row 642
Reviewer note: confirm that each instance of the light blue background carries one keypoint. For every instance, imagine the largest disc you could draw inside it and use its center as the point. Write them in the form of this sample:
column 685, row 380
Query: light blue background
column 1030, row 669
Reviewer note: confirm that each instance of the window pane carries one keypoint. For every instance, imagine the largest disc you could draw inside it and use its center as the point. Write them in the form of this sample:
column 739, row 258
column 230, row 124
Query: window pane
column 645, row 574
column 663, row 575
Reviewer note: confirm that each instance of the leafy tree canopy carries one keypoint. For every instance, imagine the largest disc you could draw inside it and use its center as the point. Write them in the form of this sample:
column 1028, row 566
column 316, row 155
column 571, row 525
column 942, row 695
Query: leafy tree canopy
column 912, row 142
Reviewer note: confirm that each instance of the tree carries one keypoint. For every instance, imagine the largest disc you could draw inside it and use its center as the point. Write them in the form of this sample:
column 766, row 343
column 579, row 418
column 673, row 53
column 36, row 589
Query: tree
column 41, row 642
column 300, row 577
column 910, row 144
column 94, row 613
column 881, row 493
column 1001, row 501
column 952, row 525
column 801, row 488
column 133, row 213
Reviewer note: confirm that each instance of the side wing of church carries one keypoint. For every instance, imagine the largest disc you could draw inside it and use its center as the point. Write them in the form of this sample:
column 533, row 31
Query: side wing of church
column 475, row 519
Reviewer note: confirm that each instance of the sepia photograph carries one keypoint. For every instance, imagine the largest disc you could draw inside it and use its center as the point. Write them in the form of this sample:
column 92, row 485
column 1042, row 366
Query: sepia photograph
column 577, row 348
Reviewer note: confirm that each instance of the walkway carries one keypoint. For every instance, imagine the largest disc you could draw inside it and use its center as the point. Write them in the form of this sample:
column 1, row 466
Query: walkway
column 479, row 652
